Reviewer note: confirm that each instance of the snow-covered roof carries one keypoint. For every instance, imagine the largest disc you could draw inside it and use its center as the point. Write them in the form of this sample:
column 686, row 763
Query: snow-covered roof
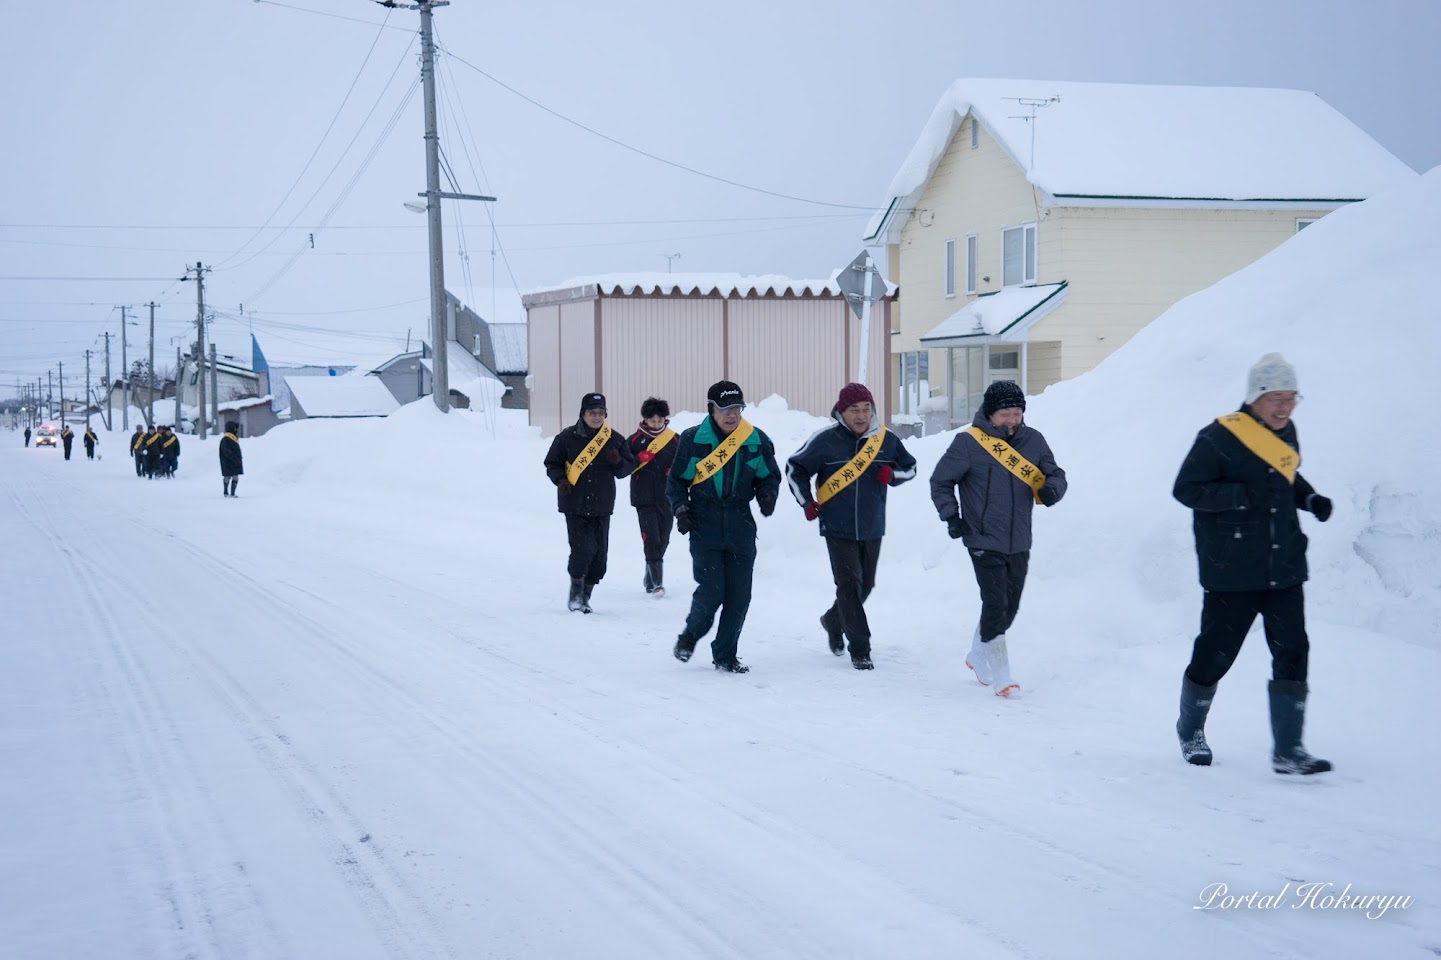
column 245, row 403
column 354, row 395
column 512, row 351
column 698, row 284
column 1134, row 141
column 460, row 366
column 993, row 314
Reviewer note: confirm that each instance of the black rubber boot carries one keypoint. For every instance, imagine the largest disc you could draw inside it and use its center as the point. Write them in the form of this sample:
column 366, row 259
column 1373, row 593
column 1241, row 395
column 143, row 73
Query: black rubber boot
column 646, row 581
column 684, row 647
column 577, row 588
column 585, row 598
column 654, row 572
column 835, row 637
column 1190, row 728
column 1288, row 717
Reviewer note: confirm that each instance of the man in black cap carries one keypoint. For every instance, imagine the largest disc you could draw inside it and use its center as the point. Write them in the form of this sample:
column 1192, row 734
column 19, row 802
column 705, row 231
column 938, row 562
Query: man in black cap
column 583, row 462
column 721, row 465
column 1003, row 467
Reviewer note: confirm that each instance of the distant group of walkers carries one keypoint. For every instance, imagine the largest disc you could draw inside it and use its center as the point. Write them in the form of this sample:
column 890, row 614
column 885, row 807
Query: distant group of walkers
column 156, row 451
column 1240, row 480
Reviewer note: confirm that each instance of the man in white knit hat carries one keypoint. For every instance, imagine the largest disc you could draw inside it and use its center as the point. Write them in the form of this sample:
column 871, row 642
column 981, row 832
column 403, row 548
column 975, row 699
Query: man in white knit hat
column 1241, row 482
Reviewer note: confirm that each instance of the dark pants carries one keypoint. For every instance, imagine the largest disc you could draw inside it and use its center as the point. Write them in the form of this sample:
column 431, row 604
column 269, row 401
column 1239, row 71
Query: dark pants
column 853, row 565
column 90, row 451
column 722, row 582
column 67, row 449
column 589, row 545
column 1001, row 577
column 1226, row 618
column 655, row 525
column 139, row 464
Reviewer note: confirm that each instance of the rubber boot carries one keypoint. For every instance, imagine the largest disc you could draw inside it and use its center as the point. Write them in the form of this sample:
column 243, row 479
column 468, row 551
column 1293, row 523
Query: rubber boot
column 585, row 598
column 1191, row 725
column 577, row 587
column 655, row 569
column 979, row 660
column 1000, row 660
column 1288, row 717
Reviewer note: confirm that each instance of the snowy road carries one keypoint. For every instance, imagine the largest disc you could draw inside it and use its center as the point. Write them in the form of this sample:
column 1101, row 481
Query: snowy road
column 262, row 729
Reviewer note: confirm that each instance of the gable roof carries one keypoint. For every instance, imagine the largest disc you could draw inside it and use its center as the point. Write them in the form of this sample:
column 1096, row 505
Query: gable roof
column 996, row 315
column 353, row 395
column 1147, row 142
column 508, row 344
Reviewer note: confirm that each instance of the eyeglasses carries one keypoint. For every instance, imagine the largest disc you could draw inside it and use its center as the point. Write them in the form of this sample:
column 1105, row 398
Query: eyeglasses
column 734, row 408
column 1279, row 401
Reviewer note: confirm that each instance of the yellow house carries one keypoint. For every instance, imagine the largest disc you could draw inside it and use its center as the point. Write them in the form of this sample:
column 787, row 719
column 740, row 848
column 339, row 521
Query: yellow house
column 1036, row 226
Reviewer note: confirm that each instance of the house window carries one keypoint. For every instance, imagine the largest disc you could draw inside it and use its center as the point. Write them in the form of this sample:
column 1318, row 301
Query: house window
column 971, row 263
column 975, row 134
column 1018, row 255
column 950, row 268
column 1005, row 360
column 1303, row 222
column 915, row 380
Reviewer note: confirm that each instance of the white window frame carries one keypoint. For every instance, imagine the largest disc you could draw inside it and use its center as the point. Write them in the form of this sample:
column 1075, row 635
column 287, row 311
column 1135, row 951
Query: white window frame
column 1030, row 240
column 971, row 261
column 948, row 282
column 1303, row 222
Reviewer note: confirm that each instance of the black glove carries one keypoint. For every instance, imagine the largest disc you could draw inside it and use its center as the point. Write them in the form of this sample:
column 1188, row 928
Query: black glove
column 565, row 488
column 682, row 520
column 956, row 527
column 1319, row 506
column 612, row 455
column 767, row 504
column 1048, row 496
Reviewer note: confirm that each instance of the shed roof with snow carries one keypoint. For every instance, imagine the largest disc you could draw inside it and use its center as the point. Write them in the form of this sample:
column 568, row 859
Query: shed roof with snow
column 355, row 395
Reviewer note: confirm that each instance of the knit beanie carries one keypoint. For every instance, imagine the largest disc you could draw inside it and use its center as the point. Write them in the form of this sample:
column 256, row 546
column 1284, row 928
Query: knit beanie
column 1271, row 373
column 852, row 394
column 1001, row 395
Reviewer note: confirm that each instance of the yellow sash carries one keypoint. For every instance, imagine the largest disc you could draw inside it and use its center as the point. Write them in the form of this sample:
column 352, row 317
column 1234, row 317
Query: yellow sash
column 856, row 466
column 138, row 441
column 657, row 445
column 1263, row 442
column 576, row 467
column 168, row 442
column 1021, row 468
column 711, row 465
column 150, row 440
column 232, row 437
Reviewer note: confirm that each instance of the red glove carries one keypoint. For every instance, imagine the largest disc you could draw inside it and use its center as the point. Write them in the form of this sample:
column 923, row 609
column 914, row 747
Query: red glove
column 813, row 510
column 645, row 456
column 884, row 475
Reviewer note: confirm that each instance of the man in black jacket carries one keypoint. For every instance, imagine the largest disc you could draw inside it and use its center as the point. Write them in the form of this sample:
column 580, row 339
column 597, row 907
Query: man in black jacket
column 232, row 462
column 720, row 466
column 1003, row 467
column 169, row 451
column 27, row 436
column 854, row 461
column 583, row 462
column 90, row 440
column 653, row 445
column 1241, row 482
column 137, row 449
column 67, row 437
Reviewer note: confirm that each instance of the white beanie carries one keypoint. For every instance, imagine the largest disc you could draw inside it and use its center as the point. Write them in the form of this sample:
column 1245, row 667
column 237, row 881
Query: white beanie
column 1271, row 373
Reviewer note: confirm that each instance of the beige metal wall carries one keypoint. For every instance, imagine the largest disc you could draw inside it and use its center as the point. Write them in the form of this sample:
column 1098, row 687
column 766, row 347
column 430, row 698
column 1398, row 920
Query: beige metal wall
column 577, row 357
column 795, row 348
column 659, row 346
column 543, row 342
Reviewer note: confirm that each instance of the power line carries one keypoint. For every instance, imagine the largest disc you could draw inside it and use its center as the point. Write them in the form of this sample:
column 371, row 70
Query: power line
column 398, row 226
column 97, row 279
column 670, row 163
column 334, row 16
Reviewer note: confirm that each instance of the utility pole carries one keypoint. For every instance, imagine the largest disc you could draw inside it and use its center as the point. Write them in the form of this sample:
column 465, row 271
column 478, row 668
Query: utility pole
column 49, row 394
column 62, row 395
column 87, row 389
column 200, row 271
column 109, row 386
column 150, row 404
column 125, row 374
column 214, row 389
column 177, row 390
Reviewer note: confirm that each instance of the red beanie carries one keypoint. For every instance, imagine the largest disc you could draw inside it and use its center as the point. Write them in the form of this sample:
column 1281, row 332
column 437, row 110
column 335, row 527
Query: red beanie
column 853, row 393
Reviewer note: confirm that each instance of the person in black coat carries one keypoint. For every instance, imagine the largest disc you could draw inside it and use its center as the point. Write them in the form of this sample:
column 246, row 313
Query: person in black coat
column 714, row 508
column 169, row 451
column 27, row 436
column 653, row 445
column 231, row 462
column 853, row 517
column 67, row 437
column 1241, row 482
column 90, row 440
column 152, row 453
column 585, row 492
column 137, row 449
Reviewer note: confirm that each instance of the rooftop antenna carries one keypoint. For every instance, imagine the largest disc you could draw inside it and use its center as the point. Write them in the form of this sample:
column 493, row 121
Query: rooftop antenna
column 1035, row 104
column 669, row 257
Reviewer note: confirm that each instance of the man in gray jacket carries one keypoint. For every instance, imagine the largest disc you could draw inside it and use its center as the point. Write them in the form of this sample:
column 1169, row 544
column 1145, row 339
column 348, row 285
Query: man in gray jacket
column 1002, row 467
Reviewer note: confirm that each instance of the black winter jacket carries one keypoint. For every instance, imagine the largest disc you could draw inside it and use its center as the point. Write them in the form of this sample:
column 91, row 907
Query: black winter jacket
column 1248, row 536
column 858, row 511
column 995, row 505
column 594, row 493
column 232, row 463
column 720, row 506
column 647, row 485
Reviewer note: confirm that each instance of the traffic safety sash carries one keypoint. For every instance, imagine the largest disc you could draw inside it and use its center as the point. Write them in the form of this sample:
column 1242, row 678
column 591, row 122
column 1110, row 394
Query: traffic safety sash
column 576, row 467
column 232, row 438
column 1263, row 442
column 657, row 445
column 167, row 443
column 853, row 468
column 1019, row 467
column 717, row 458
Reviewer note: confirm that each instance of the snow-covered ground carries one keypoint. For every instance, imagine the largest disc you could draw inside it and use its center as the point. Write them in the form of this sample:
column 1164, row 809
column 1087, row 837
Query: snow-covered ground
column 347, row 714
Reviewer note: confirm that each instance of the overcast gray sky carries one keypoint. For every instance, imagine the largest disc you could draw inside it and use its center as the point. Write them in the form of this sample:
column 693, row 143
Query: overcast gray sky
column 139, row 137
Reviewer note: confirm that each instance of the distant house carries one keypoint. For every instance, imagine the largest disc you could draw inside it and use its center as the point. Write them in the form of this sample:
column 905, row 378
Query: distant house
column 355, row 395
column 253, row 414
column 233, row 380
column 475, row 350
column 673, row 335
column 1036, row 226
